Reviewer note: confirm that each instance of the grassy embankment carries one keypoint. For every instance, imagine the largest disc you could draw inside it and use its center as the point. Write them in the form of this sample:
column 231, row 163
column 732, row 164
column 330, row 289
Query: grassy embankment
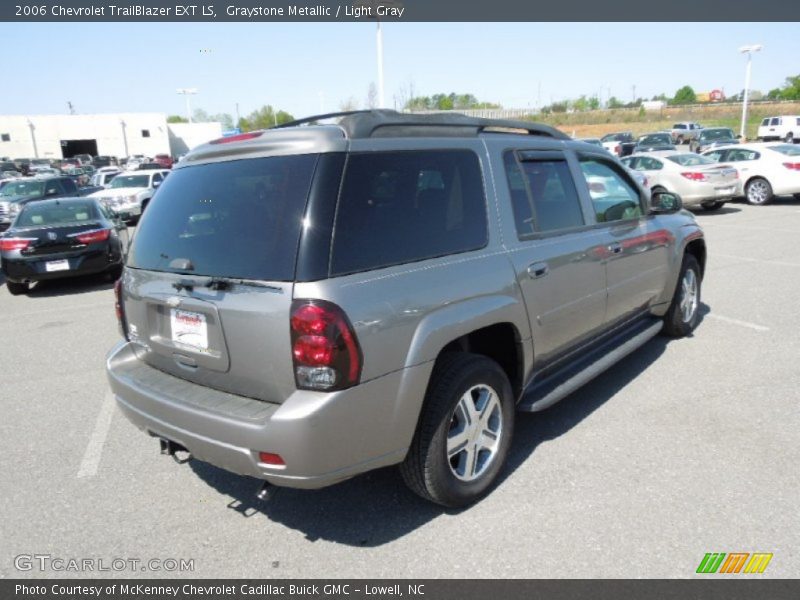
column 599, row 122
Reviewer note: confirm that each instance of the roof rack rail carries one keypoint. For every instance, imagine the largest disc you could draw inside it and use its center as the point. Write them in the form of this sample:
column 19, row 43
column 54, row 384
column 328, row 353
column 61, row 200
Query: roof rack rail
column 315, row 118
column 384, row 123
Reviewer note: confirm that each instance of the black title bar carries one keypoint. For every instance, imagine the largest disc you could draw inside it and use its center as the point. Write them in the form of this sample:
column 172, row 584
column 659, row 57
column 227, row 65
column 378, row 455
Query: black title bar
column 402, row 11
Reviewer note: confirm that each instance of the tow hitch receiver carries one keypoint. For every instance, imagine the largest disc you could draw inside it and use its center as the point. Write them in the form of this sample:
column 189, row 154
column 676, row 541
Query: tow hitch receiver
column 171, row 448
column 266, row 492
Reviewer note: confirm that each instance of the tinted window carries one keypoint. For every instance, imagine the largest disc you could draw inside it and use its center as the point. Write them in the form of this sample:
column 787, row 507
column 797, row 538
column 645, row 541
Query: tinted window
column 776, row 121
column 543, row 195
column 136, row 181
column 649, row 164
column 238, row 219
column 50, row 214
column 688, row 159
column 741, row 154
column 399, row 207
column 765, row 122
column 614, row 196
column 715, row 155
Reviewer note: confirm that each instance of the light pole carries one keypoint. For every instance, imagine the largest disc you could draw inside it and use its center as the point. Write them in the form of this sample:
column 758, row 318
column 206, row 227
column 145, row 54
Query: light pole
column 187, row 93
column 124, row 136
column 33, row 138
column 749, row 51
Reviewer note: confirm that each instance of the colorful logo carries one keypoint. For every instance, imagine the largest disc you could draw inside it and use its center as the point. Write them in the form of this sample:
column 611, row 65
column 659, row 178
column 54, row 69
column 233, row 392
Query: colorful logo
column 734, row 562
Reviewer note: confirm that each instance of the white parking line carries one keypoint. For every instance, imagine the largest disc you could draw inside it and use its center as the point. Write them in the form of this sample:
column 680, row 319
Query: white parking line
column 777, row 263
column 94, row 450
column 44, row 311
column 753, row 326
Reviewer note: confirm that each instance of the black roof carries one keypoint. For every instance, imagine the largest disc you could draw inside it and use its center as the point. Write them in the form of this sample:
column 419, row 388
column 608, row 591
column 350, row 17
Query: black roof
column 390, row 123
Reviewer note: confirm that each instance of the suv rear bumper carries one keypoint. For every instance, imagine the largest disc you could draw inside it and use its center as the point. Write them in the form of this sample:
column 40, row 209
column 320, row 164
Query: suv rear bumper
column 323, row 438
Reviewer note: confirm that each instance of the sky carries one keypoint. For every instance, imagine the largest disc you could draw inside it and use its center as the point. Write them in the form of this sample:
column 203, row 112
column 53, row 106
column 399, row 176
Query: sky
column 305, row 68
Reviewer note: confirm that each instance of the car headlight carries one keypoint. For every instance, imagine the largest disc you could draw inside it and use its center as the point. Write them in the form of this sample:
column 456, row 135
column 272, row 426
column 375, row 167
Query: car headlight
column 13, row 209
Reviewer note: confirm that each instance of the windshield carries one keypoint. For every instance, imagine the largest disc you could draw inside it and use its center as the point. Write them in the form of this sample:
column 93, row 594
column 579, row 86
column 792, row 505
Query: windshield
column 688, row 159
column 614, row 137
column 788, row 150
column 239, row 218
column 23, row 188
column 55, row 213
column 717, row 134
column 135, row 181
column 656, row 138
column 40, row 161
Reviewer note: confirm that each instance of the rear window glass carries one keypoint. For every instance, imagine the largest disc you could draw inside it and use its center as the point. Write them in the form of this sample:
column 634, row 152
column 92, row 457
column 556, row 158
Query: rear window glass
column 43, row 214
column 239, row 219
column 135, row 181
column 687, row 159
column 399, row 207
column 787, row 149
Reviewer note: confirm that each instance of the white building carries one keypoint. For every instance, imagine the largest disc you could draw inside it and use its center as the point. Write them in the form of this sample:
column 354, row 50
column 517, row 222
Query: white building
column 118, row 134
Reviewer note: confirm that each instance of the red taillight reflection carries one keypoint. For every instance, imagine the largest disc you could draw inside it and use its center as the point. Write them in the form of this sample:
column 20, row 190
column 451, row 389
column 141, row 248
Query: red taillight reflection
column 694, row 176
column 14, row 243
column 792, row 166
column 90, row 237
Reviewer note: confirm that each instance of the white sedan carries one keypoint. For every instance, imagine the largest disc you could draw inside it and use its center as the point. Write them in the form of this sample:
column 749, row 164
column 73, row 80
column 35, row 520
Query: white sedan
column 767, row 170
column 699, row 181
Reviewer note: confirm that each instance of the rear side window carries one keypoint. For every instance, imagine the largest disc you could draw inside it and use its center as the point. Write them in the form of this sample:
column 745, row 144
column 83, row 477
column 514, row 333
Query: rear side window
column 239, row 219
column 400, row 207
column 543, row 194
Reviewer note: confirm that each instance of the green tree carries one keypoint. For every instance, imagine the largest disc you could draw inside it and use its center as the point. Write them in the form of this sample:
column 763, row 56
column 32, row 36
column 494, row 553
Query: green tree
column 177, row 119
column 685, row 95
column 790, row 89
column 581, row 104
column 264, row 118
column 594, row 103
column 614, row 102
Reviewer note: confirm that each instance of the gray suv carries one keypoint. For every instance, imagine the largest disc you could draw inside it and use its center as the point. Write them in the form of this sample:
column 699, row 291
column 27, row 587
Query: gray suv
column 310, row 302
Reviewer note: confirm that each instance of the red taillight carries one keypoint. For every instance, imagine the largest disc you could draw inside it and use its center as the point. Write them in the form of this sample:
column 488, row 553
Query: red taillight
column 269, row 458
column 237, row 138
column 618, row 149
column 90, row 237
column 325, row 351
column 14, row 243
column 119, row 308
column 792, row 166
column 694, row 176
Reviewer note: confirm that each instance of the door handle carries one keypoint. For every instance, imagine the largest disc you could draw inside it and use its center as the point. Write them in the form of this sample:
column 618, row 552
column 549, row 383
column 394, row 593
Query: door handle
column 615, row 248
column 537, row 270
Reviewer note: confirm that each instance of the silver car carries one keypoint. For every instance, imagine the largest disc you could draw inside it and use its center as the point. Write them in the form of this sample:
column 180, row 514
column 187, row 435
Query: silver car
column 310, row 302
column 700, row 181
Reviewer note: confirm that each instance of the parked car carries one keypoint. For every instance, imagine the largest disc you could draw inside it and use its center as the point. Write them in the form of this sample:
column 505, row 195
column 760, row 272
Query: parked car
column 130, row 192
column 619, row 144
column 683, row 133
column 17, row 193
column 163, row 160
column 652, row 142
column 105, row 161
column 40, row 163
column 700, row 182
column 53, row 239
column 713, row 137
column 430, row 297
column 69, row 163
column 767, row 170
column 786, row 128
column 77, row 175
column 104, row 176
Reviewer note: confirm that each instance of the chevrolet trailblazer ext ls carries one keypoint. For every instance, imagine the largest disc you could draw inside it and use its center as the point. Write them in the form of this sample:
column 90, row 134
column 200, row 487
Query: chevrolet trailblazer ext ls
column 309, row 302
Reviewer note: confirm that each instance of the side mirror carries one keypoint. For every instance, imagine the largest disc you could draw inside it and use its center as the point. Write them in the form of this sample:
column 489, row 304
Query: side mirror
column 156, row 184
column 665, row 202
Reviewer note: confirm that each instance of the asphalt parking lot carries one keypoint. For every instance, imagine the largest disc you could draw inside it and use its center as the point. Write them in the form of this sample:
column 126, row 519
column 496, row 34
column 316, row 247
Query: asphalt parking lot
column 687, row 447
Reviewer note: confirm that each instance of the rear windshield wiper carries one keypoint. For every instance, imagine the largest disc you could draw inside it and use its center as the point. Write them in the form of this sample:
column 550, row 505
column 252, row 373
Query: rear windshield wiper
column 218, row 283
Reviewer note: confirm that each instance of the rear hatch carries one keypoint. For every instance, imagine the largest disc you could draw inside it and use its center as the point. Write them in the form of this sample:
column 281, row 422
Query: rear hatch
column 59, row 228
column 208, row 292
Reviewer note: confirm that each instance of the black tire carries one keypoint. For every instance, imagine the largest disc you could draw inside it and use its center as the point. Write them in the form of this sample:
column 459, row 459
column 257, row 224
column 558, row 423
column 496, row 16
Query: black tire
column 427, row 469
column 114, row 273
column 789, row 139
column 758, row 191
column 713, row 205
column 17, row 289
column 676, row 323
column 679, row 140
